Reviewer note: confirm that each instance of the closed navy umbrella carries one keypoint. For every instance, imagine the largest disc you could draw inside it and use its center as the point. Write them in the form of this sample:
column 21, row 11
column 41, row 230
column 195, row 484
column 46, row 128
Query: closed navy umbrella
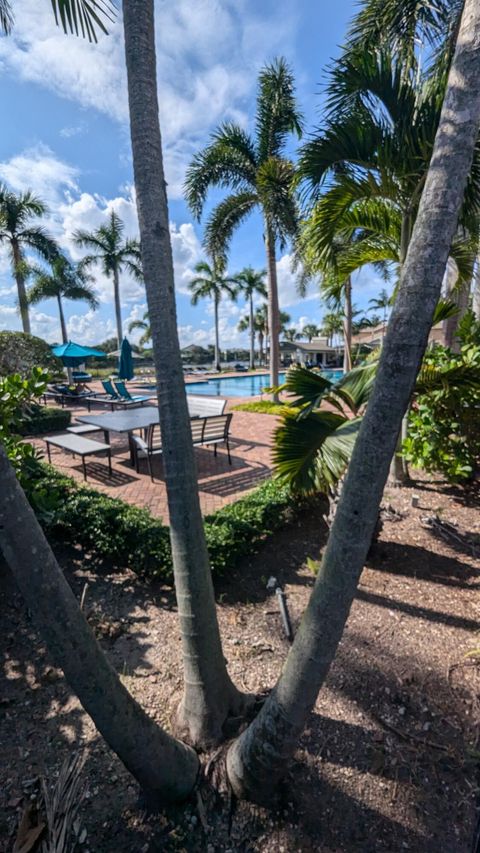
column 125, row 362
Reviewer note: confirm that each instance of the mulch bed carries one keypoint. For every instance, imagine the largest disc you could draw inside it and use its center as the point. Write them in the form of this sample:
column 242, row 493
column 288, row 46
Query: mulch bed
column 390, row 758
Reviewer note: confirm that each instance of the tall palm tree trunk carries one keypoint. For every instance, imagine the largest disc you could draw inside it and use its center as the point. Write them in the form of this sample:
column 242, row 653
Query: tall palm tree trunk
column 165, row 768
column 258, row 758
column 347, row 327
column 63, row 324
column 118, row 305
column 217, row 336
column 21, row 290
column 252, row 335
column 260, row 347
column 273, row 308
column 209, row 695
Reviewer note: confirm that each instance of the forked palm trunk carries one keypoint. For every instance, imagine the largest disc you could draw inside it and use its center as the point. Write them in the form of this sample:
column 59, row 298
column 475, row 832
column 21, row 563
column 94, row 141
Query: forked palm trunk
column 21, row 290
column 217, row 336
column 252, row 335
column 209, row 695
column 273, row 309
column 347, row 327
column 118, row 306
column 258, row 758
column 165, row 768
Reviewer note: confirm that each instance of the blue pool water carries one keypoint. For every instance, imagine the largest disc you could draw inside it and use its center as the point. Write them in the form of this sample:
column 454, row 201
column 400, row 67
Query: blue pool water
column 243, row 386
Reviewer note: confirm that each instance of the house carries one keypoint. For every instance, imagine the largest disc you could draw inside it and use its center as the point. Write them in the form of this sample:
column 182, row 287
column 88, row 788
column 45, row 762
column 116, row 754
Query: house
column 318, row 352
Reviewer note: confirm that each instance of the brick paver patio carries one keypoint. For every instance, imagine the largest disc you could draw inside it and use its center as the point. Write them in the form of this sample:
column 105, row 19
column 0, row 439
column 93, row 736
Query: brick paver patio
column 218, row 482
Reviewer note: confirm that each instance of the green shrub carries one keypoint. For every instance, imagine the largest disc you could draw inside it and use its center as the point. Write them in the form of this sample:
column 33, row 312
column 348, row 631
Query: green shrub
column 444, row 422
column 17, row 396
column 41, row 420
column 20, row 353
column 127, row 536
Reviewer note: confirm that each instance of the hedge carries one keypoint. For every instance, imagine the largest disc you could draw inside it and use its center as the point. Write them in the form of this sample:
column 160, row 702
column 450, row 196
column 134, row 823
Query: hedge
column 130, row 537
column 42, row 420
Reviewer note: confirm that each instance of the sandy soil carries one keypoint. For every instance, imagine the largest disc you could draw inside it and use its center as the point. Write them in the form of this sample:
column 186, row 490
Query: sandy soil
column 389, row 760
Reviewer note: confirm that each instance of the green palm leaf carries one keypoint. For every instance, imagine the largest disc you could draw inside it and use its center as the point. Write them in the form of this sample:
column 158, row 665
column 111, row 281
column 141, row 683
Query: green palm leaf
column 84, row 17
column 312, row 453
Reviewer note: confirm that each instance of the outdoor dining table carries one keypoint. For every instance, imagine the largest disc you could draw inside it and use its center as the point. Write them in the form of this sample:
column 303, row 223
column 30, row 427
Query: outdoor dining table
column 126, row 421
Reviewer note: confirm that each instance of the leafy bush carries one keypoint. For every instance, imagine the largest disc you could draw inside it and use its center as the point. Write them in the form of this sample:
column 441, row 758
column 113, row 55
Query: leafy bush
column 40, row 420
column 16, row 398
column 444, row 422
column 20, row 353
column 127, row 536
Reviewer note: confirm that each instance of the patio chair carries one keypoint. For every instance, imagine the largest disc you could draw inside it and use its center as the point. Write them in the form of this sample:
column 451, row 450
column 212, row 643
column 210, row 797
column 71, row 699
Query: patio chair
column 146, row 448
column 124, row 394
column 110, row 390
column 216, row 430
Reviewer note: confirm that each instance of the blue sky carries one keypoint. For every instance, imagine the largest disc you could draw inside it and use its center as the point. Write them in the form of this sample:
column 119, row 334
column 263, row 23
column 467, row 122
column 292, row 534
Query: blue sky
column 66, row 137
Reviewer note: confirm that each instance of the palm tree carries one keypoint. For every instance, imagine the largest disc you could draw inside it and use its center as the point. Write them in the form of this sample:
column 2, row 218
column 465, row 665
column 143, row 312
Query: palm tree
column 114, row 254
column 332, row 324
column 211, row 283
column 258, row 758
column 251, row 282
column 129, row 731
column 381, row 303
column 19, row 236
column 310, row 331
column 259, row 176
column 209, row 697
column 64, row 281
column 145, row 326
column 291, row 335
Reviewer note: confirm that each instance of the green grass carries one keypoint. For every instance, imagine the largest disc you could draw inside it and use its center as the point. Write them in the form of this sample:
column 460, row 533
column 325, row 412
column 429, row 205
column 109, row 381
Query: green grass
column 265, row 407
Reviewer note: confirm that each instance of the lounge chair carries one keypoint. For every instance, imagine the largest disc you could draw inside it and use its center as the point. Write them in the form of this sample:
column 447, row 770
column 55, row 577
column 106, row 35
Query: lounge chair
column 124, row 394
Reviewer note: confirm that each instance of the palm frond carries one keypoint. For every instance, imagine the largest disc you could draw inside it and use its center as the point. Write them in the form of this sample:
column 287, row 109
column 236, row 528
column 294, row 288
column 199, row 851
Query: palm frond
column 306, row 387
column 84, row 17
column 278, row 114
column 275, row 186
column 312, row 454
column 355, row 387
column 224, row 220
column 6, row 17
column 444, row 309
column 229, row 161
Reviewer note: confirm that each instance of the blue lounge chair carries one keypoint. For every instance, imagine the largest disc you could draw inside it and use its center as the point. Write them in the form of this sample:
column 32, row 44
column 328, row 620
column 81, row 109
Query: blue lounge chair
column 110, row 390
column 124, row 394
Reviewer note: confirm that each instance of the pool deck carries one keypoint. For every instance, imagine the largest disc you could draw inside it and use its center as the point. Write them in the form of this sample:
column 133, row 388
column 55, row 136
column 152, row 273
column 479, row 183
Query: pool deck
column 218, row 482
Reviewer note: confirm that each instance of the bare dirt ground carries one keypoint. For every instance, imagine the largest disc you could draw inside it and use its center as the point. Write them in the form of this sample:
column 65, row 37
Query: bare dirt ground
column 389, row 760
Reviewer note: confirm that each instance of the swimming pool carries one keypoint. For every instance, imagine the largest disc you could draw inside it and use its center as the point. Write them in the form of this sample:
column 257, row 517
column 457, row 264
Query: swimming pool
column 243, row 386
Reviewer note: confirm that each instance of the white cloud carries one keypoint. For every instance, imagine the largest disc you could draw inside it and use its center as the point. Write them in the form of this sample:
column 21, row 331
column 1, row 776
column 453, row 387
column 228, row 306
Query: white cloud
column 208, row 54
column 38, row 168
column 287, row 284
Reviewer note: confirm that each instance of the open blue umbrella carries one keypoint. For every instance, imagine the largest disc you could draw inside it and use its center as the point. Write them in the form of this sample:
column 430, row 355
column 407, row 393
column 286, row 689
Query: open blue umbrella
column 73, row 354
column 125, row 362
